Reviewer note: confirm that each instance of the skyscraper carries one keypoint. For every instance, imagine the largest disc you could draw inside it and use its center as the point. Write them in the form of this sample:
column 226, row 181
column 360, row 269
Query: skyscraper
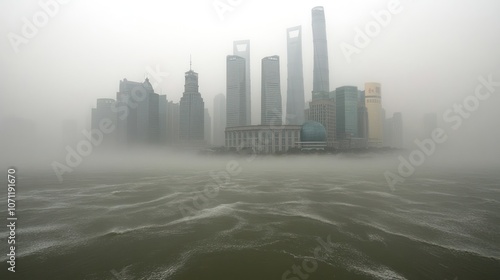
column 242, row 49
column 138, row 113
column 173, row 116
column 236, row 91
column 362, row 116
column 321, row 80
column 295, row 83
column 346, row 101
column 192, row 112
column 208, row 128
column 162, row 113
column 271, row 112
column 376, row 118
column 102, row 114
column 219, row 120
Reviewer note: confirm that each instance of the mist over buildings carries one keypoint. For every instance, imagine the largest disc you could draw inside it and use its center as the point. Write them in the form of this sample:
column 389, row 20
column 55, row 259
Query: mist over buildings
column 428, row 58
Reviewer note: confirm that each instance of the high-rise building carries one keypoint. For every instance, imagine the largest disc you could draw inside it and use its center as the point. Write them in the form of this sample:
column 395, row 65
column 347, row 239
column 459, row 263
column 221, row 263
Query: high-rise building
column 321, row 78
column 242, row 49
column 208, row 128
column 173, row 116
column 236, row 90
column 219, row 120
column 373, row 103
column 163, row 119
column 105, row 116
column 322, row 110
column 346, row 101
column 295, row 102
column 362, row 116
column 192, row 112
column 138, row 113
column 271, row 112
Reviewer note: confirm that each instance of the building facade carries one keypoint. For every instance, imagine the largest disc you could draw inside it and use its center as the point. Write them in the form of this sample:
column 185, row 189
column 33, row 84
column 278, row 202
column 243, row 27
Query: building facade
column 236, row 90
column 138, row 113
column 295, row 102
column 346, row 103
column 192, row 112
column 208, row 128
column 264, row 139
column 322, row 110
column 376, row 117
column 271, row 111
column 173, row 116
column 321, row 72
column 102, row 114
column 242, row 49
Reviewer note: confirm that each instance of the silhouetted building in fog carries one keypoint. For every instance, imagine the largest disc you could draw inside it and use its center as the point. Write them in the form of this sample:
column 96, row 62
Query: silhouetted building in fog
column 321, row 74
column 295, row 102
column 104, row 116
column 192, row 112
column 208, row 128
column 162, row 113
column 271, row 111
column 362, row 116
column 242, row 49
column 138, row 113
column 236, row 89
column 219, row 120
column 173, row 116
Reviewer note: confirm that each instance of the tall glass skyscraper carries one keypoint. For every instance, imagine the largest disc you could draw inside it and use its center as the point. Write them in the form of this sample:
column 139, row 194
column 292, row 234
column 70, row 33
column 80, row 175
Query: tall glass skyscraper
column 271, row 111
column 321, row 80
column 346, row 101
column 236, row 90
column 192, row 111
column 242, row 49
column 295, row 102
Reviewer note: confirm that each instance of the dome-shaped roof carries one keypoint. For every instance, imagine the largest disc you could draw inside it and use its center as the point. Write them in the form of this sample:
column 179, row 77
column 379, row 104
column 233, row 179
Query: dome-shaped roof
column 312, row 131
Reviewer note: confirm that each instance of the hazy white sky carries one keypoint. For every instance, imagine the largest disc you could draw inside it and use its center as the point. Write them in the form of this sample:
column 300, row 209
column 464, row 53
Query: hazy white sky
column 427, row 58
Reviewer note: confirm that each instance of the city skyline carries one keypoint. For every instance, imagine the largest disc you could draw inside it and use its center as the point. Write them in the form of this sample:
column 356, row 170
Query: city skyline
column 405, row 78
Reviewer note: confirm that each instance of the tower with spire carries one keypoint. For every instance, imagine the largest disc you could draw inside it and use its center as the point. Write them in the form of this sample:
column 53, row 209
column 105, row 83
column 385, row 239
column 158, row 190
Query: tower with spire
column 192, row 110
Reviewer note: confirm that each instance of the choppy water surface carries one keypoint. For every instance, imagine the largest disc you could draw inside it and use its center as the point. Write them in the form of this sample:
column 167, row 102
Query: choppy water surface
column 328, row 219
